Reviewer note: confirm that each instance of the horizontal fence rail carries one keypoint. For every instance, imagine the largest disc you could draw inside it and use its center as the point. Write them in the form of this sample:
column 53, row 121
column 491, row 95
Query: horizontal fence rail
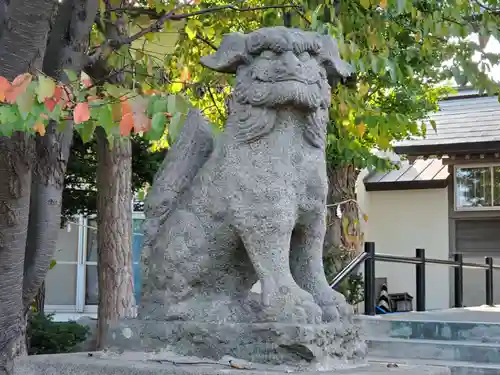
column 369, row 257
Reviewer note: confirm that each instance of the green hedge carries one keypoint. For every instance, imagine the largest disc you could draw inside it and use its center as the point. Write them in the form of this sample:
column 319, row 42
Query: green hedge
column 48, row 337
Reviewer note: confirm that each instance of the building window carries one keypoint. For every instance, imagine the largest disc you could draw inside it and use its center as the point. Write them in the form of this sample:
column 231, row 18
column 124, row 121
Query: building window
column 477, row 188
column 91, row 287
column 71, row 286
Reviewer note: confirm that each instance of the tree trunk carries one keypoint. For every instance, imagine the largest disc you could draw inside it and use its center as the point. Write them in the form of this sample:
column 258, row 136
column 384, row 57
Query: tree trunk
column 15, row 169
column 114, row 232
column 24, row 29
column 65, row 50
column 343, row 239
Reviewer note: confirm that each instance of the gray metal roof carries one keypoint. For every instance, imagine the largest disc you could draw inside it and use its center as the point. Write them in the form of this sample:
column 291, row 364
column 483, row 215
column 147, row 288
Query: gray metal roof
column 421, row 174
column 460, row 121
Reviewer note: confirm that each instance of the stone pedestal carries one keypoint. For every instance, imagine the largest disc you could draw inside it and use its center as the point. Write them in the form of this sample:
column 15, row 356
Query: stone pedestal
column 298, row 346
column 144, row 364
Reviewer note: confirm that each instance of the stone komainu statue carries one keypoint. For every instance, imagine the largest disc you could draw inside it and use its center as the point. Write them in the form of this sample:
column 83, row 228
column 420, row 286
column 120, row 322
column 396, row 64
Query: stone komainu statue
column 249, row 204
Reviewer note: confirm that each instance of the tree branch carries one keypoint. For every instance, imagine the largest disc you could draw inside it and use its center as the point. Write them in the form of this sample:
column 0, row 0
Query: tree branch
column 206, row 41
column 172, row 16
column 487, row 8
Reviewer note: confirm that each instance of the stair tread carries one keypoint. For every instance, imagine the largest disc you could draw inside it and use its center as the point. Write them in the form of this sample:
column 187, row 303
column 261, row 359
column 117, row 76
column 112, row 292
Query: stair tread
column 434, row 362
column 433, row 342
column 367, row 319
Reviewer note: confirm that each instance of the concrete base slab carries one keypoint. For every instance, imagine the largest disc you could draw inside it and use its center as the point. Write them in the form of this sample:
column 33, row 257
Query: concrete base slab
column 144, row 364
column 269, row 343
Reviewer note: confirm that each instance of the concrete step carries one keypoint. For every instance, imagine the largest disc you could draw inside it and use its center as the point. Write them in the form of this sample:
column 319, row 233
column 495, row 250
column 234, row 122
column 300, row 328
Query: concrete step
column 443, row 350
column 456, row 367
column 486, row 332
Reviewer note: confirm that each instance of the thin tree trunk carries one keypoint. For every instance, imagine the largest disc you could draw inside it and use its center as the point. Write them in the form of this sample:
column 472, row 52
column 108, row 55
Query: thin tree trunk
column 23, row 32
column 114, row 232
column 343, row 239
column 342, row 195
column 65, row 50
column 40, row 299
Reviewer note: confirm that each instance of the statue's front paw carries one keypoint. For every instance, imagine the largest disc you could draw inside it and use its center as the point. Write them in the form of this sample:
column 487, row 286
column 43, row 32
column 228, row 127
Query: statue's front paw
column 330, row 313
column 289, row 303
column 334, row 306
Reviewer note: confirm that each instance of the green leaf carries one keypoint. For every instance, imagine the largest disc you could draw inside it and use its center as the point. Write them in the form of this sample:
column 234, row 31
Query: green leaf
column 25, row 102
column 56, row 113
column 72, row 76
column 114, row 91
column 365, row 3
column 105, row 118
column 6, row 129
column 8, row 114
column 172, row 104
column 141, row 194
column 160, row 106
column 53, row 263
column 150, row 111
column 157, row 126
column 139, row 55
column 191, row 33
column 175, row 126
column 46, row 87
column 433, row 124
column 86, row 131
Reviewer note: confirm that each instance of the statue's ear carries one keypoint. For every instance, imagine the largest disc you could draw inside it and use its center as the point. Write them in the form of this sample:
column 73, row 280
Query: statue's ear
column 336, row 68
column 230, row 54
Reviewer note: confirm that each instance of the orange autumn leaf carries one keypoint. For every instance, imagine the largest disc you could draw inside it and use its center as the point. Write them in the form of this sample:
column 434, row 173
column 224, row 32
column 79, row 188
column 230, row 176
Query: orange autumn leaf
column 361, row 129
column 126, row 107
column 81, row 113
column 19, row 86
column 139, row 105
column 126, row 124
column 39, row 128
column 4, row 88
column 50, row 103
column 142, row 123
column 185, row 75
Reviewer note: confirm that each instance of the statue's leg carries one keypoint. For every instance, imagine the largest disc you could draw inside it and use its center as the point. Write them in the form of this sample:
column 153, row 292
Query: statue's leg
column 306, row 263
column 267, row 242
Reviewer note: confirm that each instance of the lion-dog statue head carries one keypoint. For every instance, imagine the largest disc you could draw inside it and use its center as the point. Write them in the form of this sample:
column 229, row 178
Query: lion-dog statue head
column 282, row 69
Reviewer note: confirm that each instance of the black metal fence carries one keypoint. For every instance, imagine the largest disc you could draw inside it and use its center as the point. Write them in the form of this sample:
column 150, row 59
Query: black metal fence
column 369, row 257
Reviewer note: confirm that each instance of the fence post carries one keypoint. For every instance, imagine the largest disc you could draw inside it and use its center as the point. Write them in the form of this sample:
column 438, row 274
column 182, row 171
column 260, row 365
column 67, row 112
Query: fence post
column 420, row 279
column 369, row 289
column 459, row 280
column 489, row 281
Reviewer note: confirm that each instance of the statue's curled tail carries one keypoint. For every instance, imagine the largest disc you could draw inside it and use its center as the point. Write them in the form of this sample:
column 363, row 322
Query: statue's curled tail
column 183, row 161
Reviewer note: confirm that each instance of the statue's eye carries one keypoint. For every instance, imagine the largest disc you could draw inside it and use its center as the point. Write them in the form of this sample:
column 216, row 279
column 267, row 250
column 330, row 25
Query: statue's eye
column 267, row 54
column 304, row 56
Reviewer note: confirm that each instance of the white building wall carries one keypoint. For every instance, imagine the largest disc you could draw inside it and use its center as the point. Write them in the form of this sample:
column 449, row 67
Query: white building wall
column 398, row 223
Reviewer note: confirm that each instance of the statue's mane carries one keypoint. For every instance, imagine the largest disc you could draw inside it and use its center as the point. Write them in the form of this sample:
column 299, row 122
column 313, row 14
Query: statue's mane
column 282, row 39
column 248, row 123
